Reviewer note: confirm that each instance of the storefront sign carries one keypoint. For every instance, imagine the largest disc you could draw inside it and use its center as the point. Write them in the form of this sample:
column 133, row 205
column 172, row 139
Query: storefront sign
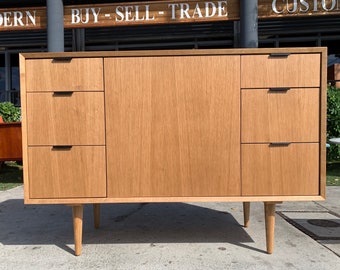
column 287, row 8
column 156, row 12
column 161, row 12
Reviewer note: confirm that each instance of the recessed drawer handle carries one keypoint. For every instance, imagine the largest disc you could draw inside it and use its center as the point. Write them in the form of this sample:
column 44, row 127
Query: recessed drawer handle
column 278, row 144
column 279, row 55
column 61, row 59
column 61, row 147
column 62, row 93
column 279, row 89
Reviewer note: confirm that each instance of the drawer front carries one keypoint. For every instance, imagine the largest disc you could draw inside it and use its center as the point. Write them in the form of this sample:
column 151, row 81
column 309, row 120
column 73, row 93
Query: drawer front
column 65, row 118
column 295, row 70
column 85, row 74
column 286, row 170
column 292, row 115
column 76, row 172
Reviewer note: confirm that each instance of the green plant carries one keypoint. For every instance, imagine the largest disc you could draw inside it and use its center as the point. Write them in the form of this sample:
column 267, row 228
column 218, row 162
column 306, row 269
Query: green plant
column 333, row 121
column 10, row 175
column 9, row 112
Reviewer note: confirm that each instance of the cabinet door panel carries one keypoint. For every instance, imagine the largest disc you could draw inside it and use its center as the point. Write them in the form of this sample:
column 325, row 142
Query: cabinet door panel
column 280, row 170
column 295, row 70
column 270, row 116
column 78, row 172
column 173, row 126
column 75, row 119
column 78, row 74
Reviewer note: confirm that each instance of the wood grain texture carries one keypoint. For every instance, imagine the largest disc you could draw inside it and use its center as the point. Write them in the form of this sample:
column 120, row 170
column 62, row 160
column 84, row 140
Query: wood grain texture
column 153, row 12
column 286, row 9
column 168, row 117
column 173, row 126
column 22, row 70
column 196, row 52
column 284, row 170
column 75, row 173
column 323, row 124
column 159, row 12
column 76, row 119
column 10, row 141
column 270, row 116
column 269, row 214
column 77, row 214
column 175, row 199
column 78, row 74
column 296, row 70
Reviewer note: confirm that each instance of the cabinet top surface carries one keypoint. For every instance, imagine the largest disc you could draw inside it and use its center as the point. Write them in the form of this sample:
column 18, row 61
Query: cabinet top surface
column 243, row 51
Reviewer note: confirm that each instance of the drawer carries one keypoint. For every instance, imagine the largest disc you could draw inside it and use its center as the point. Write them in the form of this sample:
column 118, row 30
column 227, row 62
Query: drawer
column 292, row 115
column 71, row 118
column 75, row 172
column 270, row 70
column 280, row 169
column 85, row 74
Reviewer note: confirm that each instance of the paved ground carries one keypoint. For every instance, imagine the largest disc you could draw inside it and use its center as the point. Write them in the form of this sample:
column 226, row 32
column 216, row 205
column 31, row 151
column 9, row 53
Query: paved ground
column 168, row 236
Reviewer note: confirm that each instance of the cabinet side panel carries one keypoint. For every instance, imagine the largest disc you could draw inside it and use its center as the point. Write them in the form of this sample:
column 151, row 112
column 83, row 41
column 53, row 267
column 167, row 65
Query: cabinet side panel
column 173, row 126
column 22, row 62
column 323, row 122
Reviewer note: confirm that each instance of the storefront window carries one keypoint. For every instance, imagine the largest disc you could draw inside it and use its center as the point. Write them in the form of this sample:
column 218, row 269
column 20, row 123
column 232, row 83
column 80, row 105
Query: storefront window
column 2, row 78
column 15, row 80
column 9, row 78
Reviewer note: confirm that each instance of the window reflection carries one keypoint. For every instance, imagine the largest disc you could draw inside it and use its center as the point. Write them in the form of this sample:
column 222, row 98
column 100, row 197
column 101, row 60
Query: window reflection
column 9, row 67
column 2, row 78
column 15, row 80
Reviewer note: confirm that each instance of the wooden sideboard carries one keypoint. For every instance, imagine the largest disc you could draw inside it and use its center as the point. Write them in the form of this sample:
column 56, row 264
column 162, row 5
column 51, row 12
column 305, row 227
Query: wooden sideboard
column 174, row 126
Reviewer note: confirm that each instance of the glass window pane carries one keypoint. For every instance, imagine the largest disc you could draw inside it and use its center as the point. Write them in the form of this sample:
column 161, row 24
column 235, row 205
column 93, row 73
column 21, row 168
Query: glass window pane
column 15, row 80
column 2, row 78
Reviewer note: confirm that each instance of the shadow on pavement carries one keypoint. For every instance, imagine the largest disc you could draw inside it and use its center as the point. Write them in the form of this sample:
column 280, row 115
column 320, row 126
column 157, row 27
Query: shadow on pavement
column 120, row 223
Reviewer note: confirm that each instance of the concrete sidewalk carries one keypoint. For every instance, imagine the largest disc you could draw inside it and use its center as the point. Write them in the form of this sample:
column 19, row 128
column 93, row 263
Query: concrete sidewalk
column 169, row 236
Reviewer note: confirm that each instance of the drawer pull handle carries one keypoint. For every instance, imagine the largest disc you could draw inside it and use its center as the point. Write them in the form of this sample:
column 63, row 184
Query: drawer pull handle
column 279, row 89
column 62, row 93
column 279, row 144
column 61, row 59
column 61, row 147
column 279, row 55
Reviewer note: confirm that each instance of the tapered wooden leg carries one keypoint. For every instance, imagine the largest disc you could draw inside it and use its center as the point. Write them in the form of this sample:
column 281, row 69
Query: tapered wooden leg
column 77, row 211
column 246, row 213
column 269, row 211
column 96, row 215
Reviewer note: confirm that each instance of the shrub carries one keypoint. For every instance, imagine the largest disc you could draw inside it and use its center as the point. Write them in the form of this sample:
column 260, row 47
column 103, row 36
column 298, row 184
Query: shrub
column 9, row 112
column 333, row 121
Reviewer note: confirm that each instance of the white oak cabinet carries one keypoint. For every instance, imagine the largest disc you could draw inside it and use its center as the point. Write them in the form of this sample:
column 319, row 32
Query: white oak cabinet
column 174, row 126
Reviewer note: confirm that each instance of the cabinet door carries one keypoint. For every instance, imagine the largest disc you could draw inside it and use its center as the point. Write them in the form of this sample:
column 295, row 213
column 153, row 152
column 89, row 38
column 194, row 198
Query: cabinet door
column 272, row 70
column 280, row 169
column 173, row 126
column 82, row 74
column 66, row 172
column 65, row 118
column 276, row 116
